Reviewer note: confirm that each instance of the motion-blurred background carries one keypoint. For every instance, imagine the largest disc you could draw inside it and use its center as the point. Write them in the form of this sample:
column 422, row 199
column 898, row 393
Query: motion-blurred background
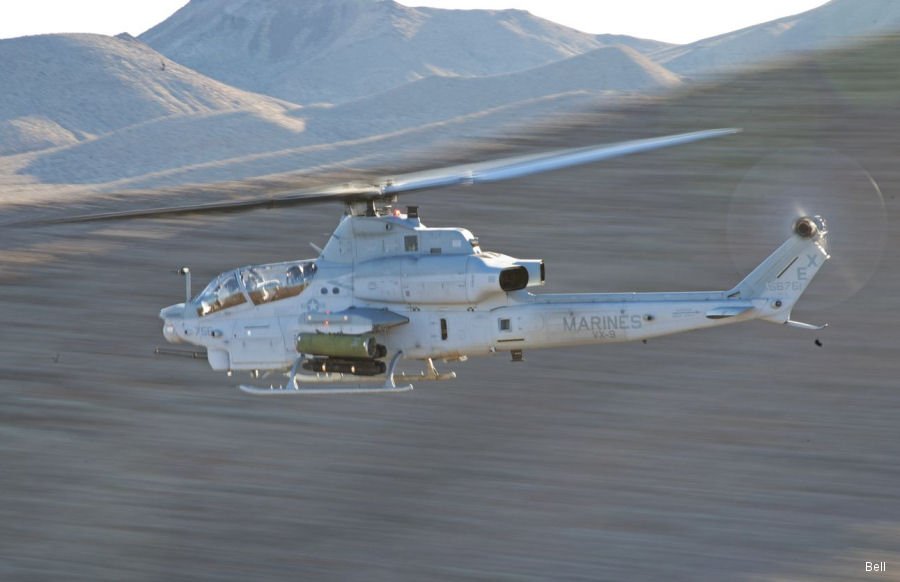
column 744, row 453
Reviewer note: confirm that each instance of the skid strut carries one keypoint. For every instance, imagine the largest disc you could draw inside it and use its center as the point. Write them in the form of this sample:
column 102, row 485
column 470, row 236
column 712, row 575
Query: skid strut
column 331, row 383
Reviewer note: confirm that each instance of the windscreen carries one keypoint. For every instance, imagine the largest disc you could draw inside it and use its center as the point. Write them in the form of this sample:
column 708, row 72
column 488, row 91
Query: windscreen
column 223, row 292
column 276, row 281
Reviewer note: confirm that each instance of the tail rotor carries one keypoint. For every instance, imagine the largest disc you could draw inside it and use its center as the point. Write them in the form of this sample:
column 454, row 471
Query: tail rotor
column 793, row 189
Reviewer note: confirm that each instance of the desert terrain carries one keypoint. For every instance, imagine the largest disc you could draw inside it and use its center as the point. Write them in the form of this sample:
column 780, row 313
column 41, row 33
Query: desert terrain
column 743, row 453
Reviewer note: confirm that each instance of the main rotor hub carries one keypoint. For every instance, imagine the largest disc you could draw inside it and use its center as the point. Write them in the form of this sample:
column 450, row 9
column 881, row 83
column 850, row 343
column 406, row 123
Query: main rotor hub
column 371, row 206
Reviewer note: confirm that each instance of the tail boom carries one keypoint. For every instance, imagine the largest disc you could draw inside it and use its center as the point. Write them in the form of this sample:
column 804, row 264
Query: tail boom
column 768, row 293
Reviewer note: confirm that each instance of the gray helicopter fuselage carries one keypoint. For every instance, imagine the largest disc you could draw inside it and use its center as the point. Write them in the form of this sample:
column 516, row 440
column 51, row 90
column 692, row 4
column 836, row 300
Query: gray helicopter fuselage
column 386, row 287
column 433, row 293
column 389, row 276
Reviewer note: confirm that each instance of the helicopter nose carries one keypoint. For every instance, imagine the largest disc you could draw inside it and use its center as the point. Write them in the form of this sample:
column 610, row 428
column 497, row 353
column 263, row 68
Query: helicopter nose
column 171, row 315
column 172, row 312
column 170, row 333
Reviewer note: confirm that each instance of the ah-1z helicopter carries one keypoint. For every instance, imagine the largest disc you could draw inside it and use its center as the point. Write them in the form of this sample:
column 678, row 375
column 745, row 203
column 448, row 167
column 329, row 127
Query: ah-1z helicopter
column 386, row 287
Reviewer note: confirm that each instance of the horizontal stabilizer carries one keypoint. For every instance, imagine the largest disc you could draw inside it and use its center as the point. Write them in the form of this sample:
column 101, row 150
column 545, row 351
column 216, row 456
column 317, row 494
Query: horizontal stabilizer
column 727, row 311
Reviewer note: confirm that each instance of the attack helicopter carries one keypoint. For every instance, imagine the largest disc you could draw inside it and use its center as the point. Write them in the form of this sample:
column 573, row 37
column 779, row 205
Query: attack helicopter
column 387, row 288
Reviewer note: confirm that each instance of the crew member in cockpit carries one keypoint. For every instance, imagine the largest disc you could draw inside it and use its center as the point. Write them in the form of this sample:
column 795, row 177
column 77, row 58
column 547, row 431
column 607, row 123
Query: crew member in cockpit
column 229, row 293
column 294, row 275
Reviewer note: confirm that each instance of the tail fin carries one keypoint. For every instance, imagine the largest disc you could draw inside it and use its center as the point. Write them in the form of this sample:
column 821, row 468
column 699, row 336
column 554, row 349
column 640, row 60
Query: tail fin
column 783, row 277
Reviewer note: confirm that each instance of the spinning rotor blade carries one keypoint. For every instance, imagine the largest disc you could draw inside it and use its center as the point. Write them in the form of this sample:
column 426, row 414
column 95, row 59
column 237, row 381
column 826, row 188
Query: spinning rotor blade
column 490, row 171
column 525, row 165
column 306, row 196
column 810, row 181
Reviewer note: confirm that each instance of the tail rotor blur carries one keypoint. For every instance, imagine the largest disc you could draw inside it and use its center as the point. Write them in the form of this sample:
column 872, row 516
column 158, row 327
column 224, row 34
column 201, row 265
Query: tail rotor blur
column 797, row 182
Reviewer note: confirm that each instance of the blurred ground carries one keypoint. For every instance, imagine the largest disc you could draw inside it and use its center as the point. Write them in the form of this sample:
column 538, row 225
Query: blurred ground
column 743, row 453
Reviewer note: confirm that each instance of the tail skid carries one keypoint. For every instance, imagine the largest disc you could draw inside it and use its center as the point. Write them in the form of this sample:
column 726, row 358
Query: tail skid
column 806, row 326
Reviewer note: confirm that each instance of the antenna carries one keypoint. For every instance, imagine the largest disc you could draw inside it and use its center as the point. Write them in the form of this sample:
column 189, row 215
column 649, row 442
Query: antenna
column 186, row 273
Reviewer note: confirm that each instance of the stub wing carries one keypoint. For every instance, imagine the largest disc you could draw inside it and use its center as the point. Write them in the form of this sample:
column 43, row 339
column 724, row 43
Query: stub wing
column 355, row 320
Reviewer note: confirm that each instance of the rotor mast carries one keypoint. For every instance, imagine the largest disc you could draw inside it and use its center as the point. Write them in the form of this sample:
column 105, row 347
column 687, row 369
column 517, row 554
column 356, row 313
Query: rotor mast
column 370, row 206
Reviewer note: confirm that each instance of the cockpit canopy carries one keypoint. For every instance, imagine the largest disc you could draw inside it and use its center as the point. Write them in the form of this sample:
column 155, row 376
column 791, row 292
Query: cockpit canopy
column 258, row 284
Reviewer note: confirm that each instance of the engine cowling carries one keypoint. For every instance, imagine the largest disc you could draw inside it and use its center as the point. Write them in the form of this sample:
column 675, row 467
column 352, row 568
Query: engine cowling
column 443, row 279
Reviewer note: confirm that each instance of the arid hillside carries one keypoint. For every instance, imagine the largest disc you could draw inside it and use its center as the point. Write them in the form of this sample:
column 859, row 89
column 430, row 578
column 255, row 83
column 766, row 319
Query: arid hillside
column 746, row 453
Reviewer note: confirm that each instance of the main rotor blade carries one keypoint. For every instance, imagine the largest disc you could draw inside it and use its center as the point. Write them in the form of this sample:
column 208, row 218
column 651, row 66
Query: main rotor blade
column 306, row 196
column 490, row 171
column 518, row 166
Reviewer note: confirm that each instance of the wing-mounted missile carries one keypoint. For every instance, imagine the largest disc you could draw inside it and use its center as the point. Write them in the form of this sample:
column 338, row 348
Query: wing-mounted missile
column 353, row 321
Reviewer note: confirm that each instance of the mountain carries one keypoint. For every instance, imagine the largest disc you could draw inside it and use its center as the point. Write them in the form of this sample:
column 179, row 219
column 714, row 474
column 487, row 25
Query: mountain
column 247, row 141
column 90, row 109
column 93, row 109
column 339, row 50
column 645, row 46
column 66, row 88
column 839, row 21
column 580, row 80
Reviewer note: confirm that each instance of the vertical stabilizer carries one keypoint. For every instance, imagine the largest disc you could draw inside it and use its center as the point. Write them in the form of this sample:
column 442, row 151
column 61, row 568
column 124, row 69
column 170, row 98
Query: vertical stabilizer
column 783, row 277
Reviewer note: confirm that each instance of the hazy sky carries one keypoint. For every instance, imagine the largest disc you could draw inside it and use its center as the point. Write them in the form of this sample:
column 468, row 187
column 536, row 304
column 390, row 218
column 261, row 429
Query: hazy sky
column 677, row 21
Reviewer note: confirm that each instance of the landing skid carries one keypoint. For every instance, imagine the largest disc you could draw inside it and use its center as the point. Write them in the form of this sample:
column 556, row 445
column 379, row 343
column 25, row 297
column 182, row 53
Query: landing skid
column 335, row 383
column 344, row 389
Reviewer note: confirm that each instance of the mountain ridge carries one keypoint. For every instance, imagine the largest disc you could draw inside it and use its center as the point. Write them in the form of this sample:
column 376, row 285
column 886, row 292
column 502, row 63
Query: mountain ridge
column 827, row 26
column 68, row 88
column 90, row 109
column 340, row 50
